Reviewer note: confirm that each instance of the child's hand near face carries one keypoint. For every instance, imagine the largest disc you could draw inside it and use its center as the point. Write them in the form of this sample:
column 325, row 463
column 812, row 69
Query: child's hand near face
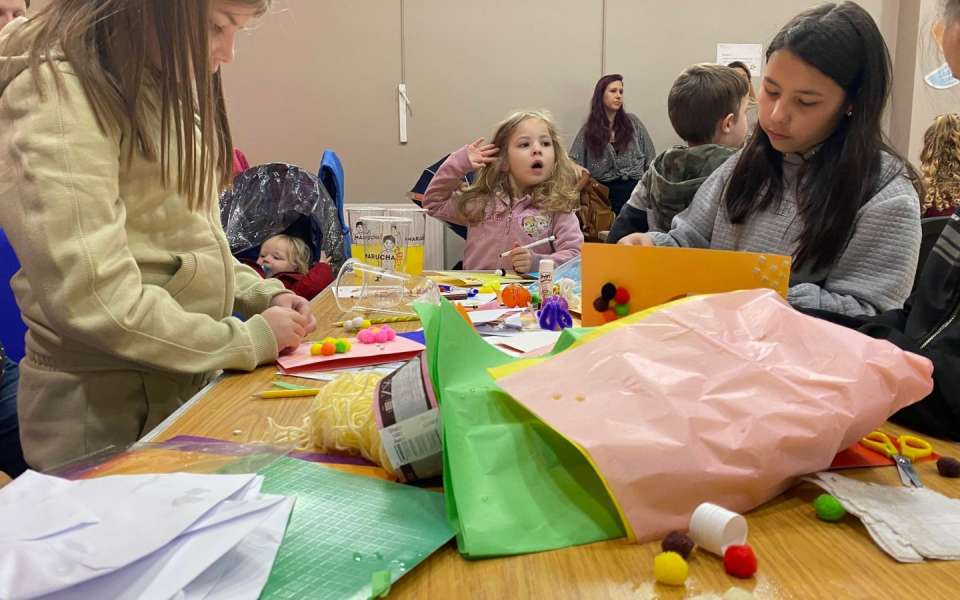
column 324, row 258
column 481, row 154
column 522, row 259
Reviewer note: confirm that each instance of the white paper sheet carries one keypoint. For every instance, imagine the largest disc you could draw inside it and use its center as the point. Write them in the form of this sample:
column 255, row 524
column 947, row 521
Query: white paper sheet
column 135, row 516
column 528, row 341
column 908, row 523
column 749, row 54
column 486, row 316
column 242, row 573
column 163, row 573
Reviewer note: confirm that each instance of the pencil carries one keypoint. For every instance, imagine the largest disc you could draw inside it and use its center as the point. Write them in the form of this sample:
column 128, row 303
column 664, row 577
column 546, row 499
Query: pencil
column 530, row 245
column 287, row 393
column 384, row 320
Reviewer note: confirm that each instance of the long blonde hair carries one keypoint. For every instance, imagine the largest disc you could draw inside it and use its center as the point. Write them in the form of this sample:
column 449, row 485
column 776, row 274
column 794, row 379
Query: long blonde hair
column 557, row 193
column 108, row 44
column 940, row 164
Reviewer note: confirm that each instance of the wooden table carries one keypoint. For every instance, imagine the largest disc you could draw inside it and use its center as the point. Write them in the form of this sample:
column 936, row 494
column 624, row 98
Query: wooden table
column 800, row 557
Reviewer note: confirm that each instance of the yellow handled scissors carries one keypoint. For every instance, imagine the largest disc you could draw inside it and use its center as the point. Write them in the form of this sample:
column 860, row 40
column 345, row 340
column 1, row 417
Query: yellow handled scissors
column 911, row 448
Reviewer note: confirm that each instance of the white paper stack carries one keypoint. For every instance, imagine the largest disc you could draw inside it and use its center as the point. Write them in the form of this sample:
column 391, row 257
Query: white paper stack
column 177, row 535
column 909, row 524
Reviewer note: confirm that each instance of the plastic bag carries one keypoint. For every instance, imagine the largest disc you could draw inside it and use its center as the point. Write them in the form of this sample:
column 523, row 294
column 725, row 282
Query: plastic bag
column 279, row 198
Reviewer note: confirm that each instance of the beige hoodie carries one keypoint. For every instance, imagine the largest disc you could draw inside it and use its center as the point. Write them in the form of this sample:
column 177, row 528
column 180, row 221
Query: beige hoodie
column 127, row 294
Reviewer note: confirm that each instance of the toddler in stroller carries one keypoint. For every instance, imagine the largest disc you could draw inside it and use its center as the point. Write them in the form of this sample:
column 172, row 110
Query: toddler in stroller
column 288, row 259
column 279, row 209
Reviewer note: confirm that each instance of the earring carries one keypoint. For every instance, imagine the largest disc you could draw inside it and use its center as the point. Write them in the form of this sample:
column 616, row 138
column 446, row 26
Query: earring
column 850, row 113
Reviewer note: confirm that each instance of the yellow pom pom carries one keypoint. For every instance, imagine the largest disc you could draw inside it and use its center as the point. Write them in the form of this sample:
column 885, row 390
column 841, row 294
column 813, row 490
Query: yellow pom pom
column 670, row 568
column 329, row 340
column 365, row 324
column 316, row 349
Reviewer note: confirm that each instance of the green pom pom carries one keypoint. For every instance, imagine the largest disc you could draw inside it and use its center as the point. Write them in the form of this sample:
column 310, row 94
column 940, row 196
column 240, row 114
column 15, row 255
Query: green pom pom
column 828, row 508
column 342, row 346
column 535, row 298
column 622, row 310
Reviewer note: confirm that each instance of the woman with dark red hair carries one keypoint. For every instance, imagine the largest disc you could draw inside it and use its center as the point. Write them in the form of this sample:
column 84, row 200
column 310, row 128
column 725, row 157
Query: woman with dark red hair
column 613, row 144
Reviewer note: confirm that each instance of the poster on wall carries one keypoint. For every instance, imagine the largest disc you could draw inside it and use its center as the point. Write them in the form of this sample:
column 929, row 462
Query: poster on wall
column 749, row 54
column 941, row 78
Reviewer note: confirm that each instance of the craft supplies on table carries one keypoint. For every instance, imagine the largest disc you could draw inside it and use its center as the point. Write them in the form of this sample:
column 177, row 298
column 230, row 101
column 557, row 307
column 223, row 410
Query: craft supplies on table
column 400, row 348
column 908, row 523
column 908, row 449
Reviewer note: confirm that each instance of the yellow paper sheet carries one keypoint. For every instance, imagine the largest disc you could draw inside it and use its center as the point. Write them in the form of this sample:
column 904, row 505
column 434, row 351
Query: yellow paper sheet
column 472, row 278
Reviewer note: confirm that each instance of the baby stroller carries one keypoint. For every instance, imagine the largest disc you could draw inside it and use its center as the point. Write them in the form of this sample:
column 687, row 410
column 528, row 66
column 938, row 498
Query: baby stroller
column 267, row 200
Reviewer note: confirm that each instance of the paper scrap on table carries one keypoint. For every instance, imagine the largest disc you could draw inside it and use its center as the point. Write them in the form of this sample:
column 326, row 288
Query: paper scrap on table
column 495, row 342
column 477, row 300
column 528, row 341
column 908, row 523
column 381, row 369
column 486, row 316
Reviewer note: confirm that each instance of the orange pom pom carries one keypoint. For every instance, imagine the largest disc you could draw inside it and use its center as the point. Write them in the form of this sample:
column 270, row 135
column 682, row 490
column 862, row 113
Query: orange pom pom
column 328, row 349
column 515, row 296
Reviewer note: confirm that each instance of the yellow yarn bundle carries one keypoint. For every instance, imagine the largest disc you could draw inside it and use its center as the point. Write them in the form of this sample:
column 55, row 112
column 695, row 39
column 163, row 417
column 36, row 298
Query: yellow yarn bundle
column 341, row 420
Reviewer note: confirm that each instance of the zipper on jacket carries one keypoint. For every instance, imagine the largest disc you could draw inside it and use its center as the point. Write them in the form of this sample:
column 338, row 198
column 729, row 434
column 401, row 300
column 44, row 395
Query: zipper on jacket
column 953, row 317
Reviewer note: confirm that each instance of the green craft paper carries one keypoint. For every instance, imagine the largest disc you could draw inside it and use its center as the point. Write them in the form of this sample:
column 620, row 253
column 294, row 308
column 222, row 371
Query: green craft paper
column 346, row 528
column 512, row 485
column 380, row 584
column 289, row 386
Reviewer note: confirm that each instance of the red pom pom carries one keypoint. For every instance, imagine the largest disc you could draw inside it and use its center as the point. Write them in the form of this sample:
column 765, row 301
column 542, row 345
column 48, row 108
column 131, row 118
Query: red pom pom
column 622, row 296
column 740, row 561
column 609, row 315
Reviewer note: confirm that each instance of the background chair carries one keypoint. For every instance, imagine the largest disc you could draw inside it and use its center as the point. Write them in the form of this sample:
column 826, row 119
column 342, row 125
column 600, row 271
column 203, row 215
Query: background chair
column 931, row 227
column 12, row 327
column 331, row 176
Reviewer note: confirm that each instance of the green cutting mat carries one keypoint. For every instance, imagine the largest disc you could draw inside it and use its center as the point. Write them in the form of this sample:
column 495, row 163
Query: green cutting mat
column 348, row 532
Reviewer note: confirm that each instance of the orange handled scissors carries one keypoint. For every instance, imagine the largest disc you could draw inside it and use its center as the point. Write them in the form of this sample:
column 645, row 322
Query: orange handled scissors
column 911, row 448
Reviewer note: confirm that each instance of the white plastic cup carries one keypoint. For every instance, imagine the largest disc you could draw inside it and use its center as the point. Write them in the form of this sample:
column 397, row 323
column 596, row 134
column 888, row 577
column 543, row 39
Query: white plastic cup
column 714, row 528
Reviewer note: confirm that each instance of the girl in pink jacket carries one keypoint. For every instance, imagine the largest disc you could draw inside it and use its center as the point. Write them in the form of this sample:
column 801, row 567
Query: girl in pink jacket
column 525, row 191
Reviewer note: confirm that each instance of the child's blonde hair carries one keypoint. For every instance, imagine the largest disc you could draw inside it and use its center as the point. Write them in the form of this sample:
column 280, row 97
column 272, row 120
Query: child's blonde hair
column 558, row 193
column 940, row 164
column 299, row 252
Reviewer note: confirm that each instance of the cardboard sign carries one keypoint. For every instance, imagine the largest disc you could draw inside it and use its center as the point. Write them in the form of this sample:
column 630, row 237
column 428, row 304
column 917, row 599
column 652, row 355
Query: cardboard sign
column 653, row 276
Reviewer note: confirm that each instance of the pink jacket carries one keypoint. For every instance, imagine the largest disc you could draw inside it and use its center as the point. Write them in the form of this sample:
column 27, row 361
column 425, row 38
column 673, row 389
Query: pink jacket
column 504, row 224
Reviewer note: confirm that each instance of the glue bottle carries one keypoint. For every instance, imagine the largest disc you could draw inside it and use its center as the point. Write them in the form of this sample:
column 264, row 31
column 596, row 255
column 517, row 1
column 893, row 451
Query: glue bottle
column 546, row 279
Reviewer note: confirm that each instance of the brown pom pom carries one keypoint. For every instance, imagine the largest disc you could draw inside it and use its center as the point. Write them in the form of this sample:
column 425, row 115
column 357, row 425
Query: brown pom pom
column 948, row 467
column 677, row 542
